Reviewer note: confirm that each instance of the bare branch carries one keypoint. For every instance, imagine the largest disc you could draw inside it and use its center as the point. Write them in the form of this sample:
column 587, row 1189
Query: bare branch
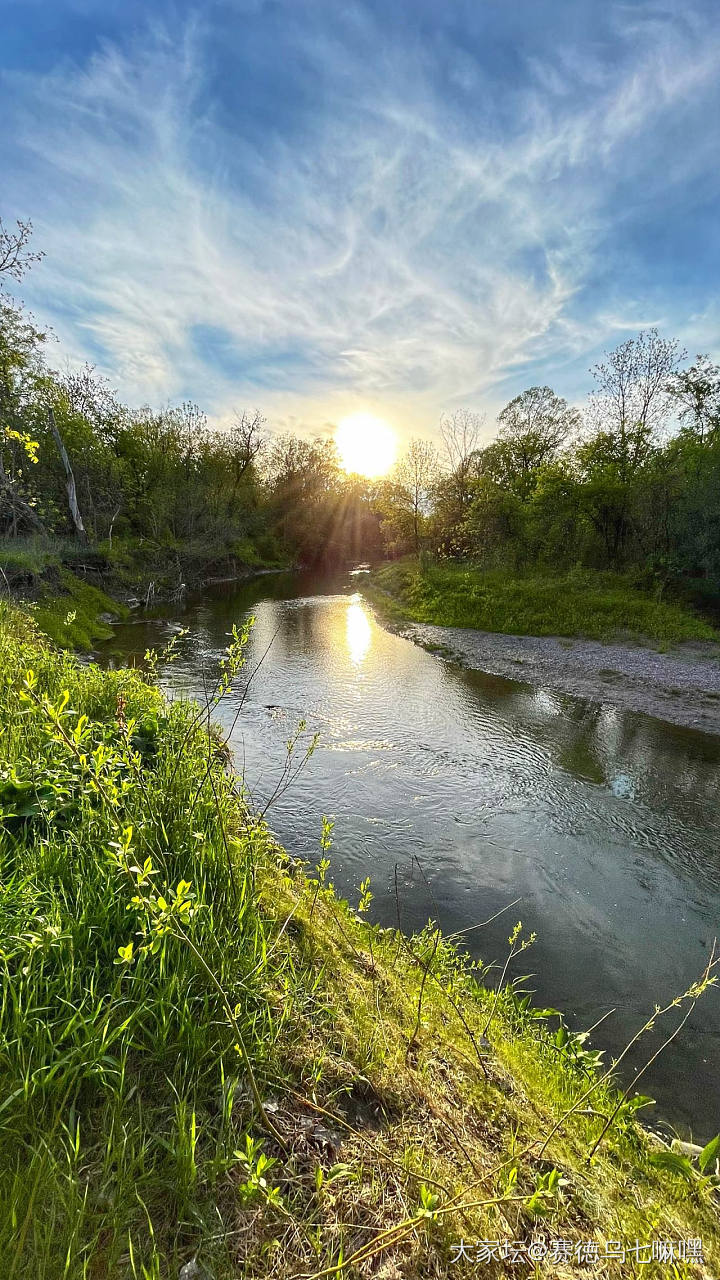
column 15, row 257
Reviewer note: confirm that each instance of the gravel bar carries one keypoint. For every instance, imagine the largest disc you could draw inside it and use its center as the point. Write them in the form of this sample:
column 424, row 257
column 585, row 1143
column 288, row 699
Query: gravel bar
column 681, row 686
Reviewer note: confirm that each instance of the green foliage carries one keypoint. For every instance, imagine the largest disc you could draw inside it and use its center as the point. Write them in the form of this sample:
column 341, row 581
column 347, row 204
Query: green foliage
column 72, row 619
column 256, row 1165
column 429, row 1202
column 598, row 605
column 172, row 500
column 167, row 979
column 710, row 1154
column 674, row 1162
column 548, row 1188
column 108, row 1020
column 700, row 1168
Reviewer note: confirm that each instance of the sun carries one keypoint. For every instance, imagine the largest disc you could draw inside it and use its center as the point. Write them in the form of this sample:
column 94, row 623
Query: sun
column 366, row 444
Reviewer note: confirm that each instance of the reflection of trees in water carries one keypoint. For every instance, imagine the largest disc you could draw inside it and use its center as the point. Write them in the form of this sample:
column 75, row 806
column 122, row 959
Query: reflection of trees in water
column 664, row 765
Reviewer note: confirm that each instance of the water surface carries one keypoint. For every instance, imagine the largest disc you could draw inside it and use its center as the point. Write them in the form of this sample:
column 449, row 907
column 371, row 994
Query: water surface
column 482, row 790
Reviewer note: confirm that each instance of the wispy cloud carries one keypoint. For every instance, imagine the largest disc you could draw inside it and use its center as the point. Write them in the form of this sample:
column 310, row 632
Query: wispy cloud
column 403, row 240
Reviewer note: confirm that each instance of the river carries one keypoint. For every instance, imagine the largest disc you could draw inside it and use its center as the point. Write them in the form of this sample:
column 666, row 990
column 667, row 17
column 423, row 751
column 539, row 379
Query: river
column 481, row 790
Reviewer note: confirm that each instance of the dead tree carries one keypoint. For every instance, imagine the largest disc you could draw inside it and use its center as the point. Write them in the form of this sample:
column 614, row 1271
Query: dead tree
column 69, row 480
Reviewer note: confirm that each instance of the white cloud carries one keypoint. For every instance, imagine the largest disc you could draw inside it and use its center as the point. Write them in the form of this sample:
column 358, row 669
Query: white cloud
column 411, row 260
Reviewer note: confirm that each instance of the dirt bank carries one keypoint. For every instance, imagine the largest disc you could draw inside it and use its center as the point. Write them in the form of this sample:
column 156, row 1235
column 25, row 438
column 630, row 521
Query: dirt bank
column 681, row 686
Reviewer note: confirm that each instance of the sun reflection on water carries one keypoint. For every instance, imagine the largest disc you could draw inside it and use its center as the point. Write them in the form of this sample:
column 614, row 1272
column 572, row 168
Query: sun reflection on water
column 357, row 632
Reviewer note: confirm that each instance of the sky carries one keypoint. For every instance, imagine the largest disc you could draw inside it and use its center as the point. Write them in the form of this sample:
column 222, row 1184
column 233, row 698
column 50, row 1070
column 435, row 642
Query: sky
column 322, row 207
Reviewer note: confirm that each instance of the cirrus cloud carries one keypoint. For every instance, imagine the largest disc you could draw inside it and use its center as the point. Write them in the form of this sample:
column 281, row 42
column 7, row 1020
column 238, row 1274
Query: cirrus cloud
column 329, row 210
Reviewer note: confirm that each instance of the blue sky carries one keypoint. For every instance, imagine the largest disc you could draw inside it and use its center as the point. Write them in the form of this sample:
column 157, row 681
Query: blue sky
column 319, row 207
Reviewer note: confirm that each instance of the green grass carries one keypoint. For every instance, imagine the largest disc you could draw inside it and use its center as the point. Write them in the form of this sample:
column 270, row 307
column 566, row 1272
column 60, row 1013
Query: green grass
column 134, row 562
column 45, row 570
column 181, row 1004
column 35, row 554
column 72, row 619
column 601, row 606
column 66, row 608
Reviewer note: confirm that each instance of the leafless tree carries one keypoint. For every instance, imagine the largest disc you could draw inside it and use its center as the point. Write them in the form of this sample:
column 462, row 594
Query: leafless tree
column 460, row 432
column 632, row 401
column 89, row 394
column 69, row 479
column 417, row 475
column 248, row 438
column 15, row 256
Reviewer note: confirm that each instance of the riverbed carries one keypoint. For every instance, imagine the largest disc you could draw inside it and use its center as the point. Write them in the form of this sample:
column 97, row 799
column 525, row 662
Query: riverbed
column 466, row 791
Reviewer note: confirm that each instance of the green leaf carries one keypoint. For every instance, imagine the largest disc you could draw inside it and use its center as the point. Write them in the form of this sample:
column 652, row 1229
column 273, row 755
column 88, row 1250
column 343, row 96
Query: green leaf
column 429, row 1201
column 673, row 1161
column 709, row 1154
column 640, row 1100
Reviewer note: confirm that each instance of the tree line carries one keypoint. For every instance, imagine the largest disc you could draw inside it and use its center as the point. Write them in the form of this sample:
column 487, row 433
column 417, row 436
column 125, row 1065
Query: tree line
column 630, row 481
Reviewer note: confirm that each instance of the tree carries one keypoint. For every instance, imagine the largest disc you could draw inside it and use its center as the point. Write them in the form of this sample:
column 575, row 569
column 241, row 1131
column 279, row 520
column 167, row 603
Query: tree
column 304, row 478
column 628, row 410
column 533, row 428
column 16, row 512
column 696, row 392
column 248, row 438
column 89, row 395
column 460, row 433
column 557, row 514
column 494, row 524
column 242, row 448
column 73, row 505
column 15, row 257
column 416, row 476
column 20, row 380
column 632, row 401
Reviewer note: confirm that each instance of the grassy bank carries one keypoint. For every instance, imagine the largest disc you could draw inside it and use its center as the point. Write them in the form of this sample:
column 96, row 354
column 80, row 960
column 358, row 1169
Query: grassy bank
column 52, row 578
column 74, row 613
column 72, row 588
column 206, row 1054
column 601, row 606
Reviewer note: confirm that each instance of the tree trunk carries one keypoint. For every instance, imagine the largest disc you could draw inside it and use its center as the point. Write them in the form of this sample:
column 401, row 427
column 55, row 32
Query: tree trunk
column 69, row 479
column 19, row 507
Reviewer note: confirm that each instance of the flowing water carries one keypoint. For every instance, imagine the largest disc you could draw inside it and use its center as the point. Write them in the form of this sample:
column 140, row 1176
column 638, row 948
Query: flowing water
column 481, row 790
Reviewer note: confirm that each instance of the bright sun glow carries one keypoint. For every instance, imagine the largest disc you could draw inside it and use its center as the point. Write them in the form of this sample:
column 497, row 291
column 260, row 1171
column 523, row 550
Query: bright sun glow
column 366, row 445
column 358, row 631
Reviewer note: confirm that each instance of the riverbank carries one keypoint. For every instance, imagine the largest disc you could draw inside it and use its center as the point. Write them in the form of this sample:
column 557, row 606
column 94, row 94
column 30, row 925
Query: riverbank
column 584, row 603
column 77, row 591
column 237, row 1066
column 680, row 684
